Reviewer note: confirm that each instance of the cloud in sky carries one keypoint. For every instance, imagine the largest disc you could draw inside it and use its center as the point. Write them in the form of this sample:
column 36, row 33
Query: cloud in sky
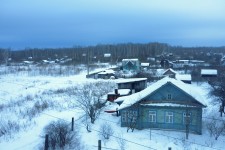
column 64, row 23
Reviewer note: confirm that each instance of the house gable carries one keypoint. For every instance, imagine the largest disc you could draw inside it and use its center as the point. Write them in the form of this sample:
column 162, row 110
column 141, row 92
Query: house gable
column 130, row 66
column 170, row 93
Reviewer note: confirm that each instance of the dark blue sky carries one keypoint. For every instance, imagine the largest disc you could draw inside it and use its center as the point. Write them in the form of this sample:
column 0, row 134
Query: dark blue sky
column 67, row 23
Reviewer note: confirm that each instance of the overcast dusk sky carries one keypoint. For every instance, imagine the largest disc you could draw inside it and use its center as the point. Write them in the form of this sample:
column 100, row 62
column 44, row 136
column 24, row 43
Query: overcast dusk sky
column 67, row 23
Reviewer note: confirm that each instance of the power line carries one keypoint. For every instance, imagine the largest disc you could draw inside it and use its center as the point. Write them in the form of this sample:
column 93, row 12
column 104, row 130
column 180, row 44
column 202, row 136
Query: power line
column 101, row 132
column 187, row 141
column 105, row 147
column 108, row 120
column 158, row 133
column 25, row 145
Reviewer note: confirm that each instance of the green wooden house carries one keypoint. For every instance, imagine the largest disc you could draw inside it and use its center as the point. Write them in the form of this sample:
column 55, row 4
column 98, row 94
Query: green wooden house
column 131, row 65
column 167, row 104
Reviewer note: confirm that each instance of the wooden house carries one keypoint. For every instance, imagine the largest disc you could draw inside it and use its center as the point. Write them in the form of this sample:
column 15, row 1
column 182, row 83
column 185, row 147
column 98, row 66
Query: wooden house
column 165, row 63
column 169, row 72
column 167, row 104
column 131, row 65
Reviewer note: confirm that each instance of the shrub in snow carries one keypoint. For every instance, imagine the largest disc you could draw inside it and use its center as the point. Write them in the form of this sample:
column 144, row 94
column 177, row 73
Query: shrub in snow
column 7, row 128
column 121, row 142
column 106, row 131
column 61, row 136
column 216, row 127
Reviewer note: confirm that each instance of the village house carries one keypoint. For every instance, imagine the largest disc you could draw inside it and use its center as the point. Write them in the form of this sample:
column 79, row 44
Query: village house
column 169, row 72
column 103, row 74
column 167, row 104
column 132, row 65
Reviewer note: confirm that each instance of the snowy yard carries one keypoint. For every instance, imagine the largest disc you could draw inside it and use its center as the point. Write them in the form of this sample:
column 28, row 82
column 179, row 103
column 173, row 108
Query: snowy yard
column 21, row 94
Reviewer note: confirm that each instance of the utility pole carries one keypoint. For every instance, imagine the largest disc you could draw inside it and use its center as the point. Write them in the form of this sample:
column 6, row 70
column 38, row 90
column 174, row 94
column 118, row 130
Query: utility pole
column 99, row 145
column 150, row 132
column 72, row 127
column 46, row 142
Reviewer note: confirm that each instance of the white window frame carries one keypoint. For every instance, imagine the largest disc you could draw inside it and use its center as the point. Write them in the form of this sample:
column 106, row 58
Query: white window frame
column 152, row 116
column 169, row 117
column 124, row 116
column 128, row 115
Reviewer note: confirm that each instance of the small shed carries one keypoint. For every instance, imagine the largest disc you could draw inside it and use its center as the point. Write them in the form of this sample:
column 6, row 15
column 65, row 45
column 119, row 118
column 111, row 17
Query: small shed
column 134, row 84
column 208, row 73
column 106, row 74
column 118, row 93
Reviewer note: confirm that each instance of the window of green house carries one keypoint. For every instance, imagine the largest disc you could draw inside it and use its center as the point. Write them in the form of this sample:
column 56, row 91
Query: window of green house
column 129, row 116
column 186, row 118
column 152, row 116
column 169, row 117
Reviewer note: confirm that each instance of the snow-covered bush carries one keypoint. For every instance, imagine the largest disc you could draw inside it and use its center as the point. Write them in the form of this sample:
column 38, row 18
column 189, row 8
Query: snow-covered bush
column 216, row 127
column 106, row 131
column 121, row 141
column 60, row 136
column 7, row 128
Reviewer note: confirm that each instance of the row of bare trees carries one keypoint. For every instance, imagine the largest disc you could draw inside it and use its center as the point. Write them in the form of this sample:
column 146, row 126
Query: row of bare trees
column 118, row 52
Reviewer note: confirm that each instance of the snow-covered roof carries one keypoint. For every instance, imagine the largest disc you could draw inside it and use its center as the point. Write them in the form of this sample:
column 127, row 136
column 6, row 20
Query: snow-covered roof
column 109, row 71
column 122, row 80
column 122, row 91
column 136, row 97
column 208, row 72
column 134, row 59
column 183, row 77
column 166, row 104
column 107, row 55
column 28, row 62
column 144, row 64
column 170, row 70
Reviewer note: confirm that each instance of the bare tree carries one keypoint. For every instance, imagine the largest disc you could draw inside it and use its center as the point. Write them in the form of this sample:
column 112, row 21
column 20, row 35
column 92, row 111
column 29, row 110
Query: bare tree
column 131, row 116
column 106, row 131
column 6, row 55
column 90, row 97
column 216, row 127
column 218, row 89
column 121, row 142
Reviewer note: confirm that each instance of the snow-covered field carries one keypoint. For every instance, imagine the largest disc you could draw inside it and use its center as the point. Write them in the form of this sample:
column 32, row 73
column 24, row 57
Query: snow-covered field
column 21, row 94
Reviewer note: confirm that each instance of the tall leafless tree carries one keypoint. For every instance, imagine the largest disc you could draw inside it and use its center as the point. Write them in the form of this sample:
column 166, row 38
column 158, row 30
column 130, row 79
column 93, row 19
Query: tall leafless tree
column 218, row 90
column 90, row 97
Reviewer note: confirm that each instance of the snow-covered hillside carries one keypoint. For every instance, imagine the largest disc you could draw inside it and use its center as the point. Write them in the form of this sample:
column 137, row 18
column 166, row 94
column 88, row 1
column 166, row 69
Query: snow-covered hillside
column 28, row 104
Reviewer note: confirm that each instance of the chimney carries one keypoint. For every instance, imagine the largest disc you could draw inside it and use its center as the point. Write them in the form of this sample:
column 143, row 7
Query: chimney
column 116, row 91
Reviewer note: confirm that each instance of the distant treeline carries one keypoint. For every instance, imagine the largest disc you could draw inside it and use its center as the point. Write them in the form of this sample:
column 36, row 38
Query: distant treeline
column 117, row 51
